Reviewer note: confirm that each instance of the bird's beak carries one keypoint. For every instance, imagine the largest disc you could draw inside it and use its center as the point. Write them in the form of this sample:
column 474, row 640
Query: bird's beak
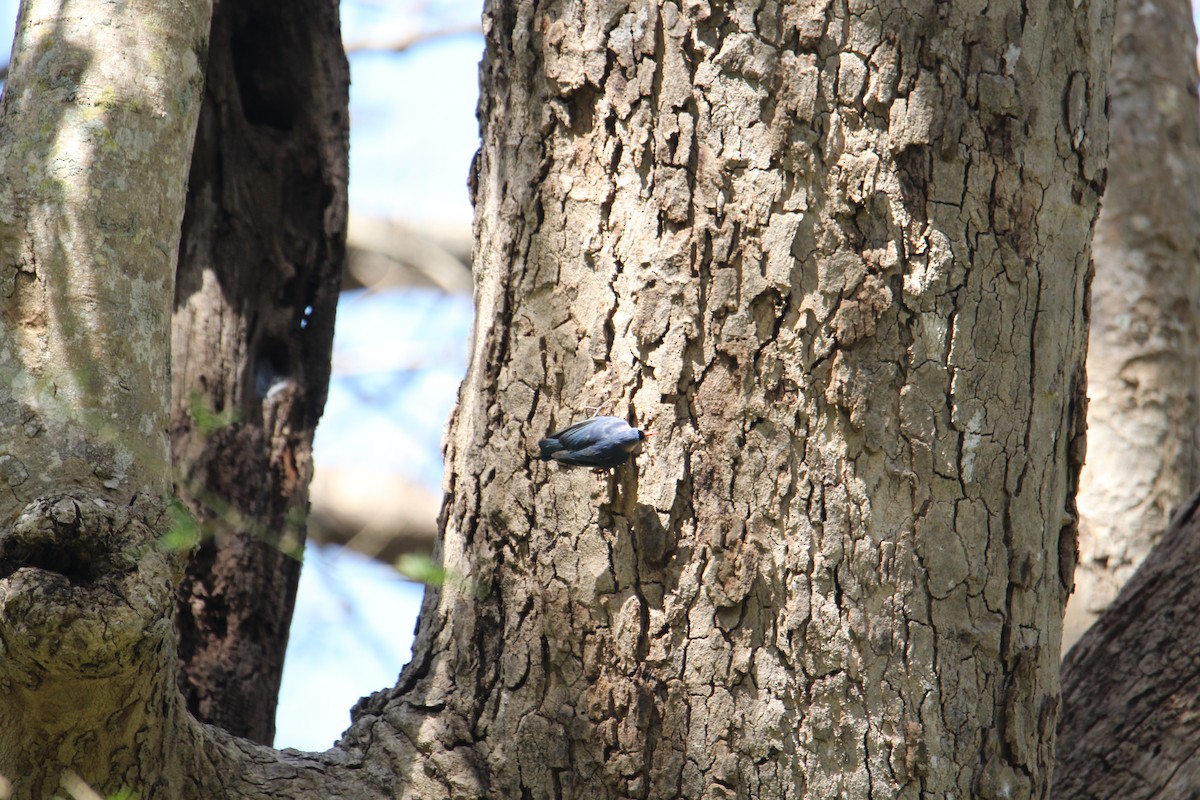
column 647, row 434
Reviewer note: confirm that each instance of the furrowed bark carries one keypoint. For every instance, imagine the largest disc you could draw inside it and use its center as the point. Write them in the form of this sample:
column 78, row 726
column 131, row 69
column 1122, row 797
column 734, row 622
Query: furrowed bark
column 1129, row 723
column 838, row 261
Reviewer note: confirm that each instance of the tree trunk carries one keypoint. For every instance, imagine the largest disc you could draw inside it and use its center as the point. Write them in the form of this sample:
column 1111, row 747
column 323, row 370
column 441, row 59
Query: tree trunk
column 841, row 273
column 95, row 137
column 259, row 271
column 1129, row 727
column 1143, row 355
column 846, row 287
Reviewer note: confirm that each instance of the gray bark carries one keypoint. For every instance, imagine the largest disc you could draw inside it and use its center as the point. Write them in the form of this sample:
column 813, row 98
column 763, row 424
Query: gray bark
column 1144, row 351
column 836, row 259
column 96, row 130
column 838, row 262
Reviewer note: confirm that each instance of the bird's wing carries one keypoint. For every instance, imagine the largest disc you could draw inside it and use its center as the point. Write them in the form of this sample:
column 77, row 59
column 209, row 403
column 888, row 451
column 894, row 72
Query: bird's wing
column 589, row 432
column 595, row 456
column 548, row 447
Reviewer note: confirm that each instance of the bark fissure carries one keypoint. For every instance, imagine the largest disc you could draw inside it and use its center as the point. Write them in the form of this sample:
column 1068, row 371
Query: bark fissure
column 812, row 270
column 806, row 246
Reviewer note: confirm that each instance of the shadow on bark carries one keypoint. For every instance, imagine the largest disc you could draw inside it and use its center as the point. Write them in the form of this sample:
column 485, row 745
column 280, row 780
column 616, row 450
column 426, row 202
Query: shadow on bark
column 1131, row 686
column 259, row 270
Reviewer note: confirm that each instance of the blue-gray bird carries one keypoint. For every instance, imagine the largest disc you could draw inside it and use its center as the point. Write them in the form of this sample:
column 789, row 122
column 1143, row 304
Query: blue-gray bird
column 600, row 442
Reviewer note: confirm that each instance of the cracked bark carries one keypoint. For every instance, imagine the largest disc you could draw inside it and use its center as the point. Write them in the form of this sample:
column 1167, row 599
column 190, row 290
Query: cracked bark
column 1142, row 373
column 841, row 272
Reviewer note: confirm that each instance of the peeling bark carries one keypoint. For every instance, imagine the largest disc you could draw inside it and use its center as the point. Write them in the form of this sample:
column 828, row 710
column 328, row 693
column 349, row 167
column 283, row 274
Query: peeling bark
column 1143, row 355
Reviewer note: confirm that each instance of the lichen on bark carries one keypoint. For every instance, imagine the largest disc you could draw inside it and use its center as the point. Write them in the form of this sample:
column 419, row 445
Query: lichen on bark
column 98, row 117
column 89, row 255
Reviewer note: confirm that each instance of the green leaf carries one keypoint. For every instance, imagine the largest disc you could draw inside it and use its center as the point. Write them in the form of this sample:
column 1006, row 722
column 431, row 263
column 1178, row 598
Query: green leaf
column 421, row 568
column 184, row 533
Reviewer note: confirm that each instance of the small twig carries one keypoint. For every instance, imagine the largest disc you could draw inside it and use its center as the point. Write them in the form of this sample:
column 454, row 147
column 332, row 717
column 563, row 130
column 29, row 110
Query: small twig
column 596, row 410
column 403, row 43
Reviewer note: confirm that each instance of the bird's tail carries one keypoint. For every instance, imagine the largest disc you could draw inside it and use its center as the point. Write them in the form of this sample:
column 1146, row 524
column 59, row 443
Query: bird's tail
column 548, row 447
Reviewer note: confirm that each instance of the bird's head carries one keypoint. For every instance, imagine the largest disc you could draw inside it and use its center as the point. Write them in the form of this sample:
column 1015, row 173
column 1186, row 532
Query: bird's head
column 635, row 445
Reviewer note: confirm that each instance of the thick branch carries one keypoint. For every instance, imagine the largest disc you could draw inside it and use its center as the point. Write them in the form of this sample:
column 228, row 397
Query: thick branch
column 99, row 117
column 1131, row 710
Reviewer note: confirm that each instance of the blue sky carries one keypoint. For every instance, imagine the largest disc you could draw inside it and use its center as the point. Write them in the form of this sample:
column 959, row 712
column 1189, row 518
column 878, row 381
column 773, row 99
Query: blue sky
column 413, row 135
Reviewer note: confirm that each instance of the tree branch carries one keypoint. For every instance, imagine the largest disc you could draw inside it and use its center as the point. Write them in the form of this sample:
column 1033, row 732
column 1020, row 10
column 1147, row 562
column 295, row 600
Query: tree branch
column 100, row 115
column 401, row 44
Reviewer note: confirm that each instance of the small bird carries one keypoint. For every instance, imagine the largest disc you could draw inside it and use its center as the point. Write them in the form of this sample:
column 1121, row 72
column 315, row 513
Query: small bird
column 600, row 442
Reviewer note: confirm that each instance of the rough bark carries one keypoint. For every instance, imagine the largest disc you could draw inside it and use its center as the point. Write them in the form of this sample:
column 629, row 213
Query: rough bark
column 1131, row 716
column 837, row 259
column 96, row 132
column 259, row 271
column 95, row 136
column 1144, row 351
